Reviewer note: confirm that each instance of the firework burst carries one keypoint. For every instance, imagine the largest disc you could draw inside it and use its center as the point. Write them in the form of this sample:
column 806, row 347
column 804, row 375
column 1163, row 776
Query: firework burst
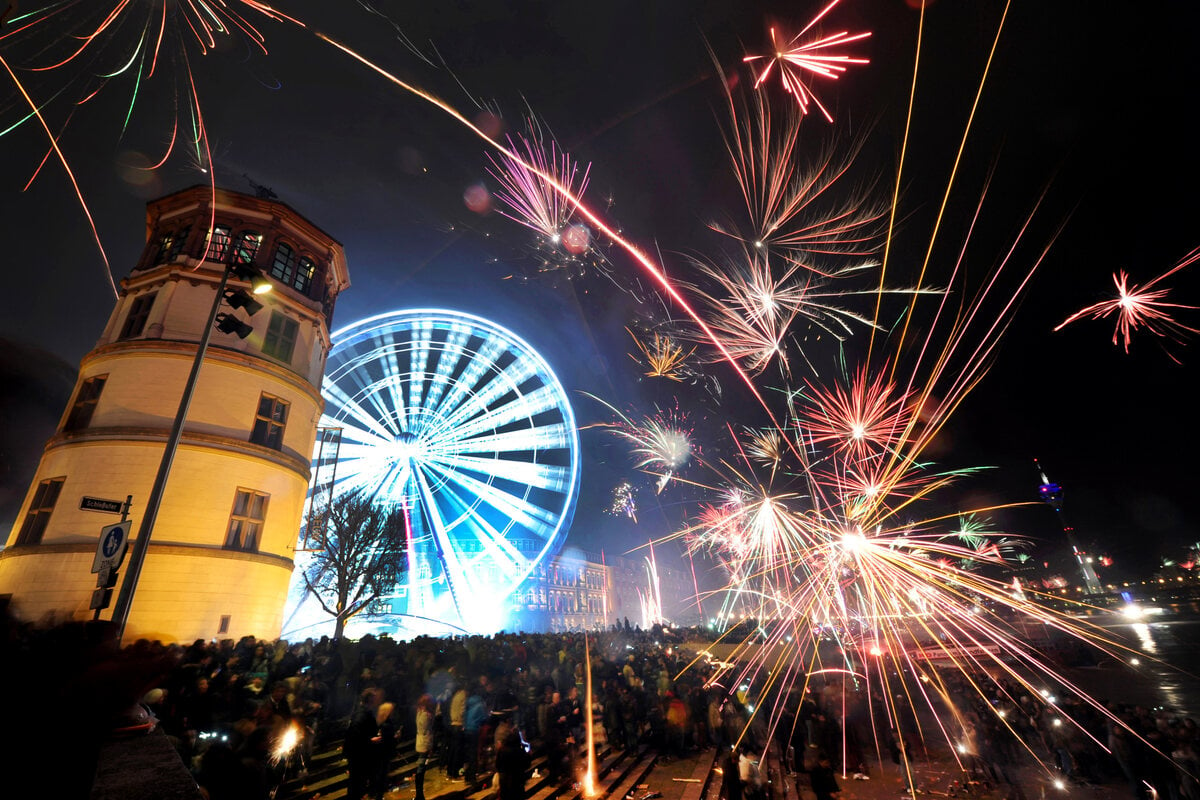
column 661, row 443
column 79, row 48
column 868, row 416
column 797, row 58
column 1141, row 307
column 662, row 357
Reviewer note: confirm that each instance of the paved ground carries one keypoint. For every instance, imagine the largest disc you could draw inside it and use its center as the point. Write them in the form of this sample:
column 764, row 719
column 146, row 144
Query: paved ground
column 942, row 778
column 689, row 779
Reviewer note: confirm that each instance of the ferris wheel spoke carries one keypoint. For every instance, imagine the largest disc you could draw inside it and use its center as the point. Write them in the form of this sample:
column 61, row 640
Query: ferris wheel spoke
column 418, row 362
column 466, row 512
column 453, row 568
column 348, row 407
column 452, row 356
column 509, row 380
column 523, row 513
column 520, row 409
column 477, row 365
column 539, row 476
column 549, row 438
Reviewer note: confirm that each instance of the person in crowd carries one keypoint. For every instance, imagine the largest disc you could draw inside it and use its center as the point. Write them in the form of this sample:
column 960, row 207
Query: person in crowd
column 456, row 733
column 361, row 746
column 823, row 780
column 424, row 742
column 512, row 762
column 385, row 750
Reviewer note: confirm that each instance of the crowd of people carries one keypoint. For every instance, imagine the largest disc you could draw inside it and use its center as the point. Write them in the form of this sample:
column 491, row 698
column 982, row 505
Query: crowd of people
column 477, row 708
column 472, row 706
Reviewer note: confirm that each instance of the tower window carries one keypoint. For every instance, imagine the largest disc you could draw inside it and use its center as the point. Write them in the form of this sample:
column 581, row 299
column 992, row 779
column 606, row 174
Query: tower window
column 38, row 515
column 283, row 267
column 139, row 312
column 280, row 340
column 269, row 422
column 171, row 244
column 85, row 403
column 218, row 243
column 246, row 520
column 304, row 274
column 245, row 248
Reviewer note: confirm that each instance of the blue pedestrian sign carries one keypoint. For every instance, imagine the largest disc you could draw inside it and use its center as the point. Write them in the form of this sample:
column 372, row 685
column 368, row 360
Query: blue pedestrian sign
column 111, row 549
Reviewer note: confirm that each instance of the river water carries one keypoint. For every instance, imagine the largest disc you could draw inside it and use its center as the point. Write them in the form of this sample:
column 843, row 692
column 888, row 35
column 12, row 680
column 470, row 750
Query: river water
column 1164, row 672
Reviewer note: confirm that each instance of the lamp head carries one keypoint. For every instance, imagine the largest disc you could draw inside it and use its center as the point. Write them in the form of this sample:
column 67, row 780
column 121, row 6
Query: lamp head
column 227, row 323
column 248, row 272
column 238, row 298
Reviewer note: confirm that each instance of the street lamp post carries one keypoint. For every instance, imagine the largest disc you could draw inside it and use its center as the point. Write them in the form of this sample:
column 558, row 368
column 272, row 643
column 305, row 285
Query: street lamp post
column 137, row 553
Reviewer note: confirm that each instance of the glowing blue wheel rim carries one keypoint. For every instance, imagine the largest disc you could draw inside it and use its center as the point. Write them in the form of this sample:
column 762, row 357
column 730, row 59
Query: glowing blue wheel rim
column 463, row 425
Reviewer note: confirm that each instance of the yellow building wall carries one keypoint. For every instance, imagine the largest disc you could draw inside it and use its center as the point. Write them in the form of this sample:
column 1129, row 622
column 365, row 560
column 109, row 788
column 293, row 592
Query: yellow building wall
column 188, row 581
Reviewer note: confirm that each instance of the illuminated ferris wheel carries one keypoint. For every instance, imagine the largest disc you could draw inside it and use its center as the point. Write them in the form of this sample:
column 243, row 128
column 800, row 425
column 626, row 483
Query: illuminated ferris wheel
column 463, row 425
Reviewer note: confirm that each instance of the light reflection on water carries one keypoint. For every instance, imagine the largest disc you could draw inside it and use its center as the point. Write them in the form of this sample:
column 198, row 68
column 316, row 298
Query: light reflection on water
column 1165, row 675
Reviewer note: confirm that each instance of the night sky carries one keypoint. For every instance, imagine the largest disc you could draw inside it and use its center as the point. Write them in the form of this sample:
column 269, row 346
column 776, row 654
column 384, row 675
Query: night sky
column 1087, row 107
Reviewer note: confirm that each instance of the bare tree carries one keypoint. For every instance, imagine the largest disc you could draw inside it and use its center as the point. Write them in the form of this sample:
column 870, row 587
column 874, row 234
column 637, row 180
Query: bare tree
column 363, row 558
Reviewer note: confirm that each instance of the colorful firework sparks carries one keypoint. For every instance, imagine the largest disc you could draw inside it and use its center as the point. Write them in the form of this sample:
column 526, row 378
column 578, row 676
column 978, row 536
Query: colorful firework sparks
column 662, row 357
column 793, row 209
column 136, row 41
column 756, row 310
column 1141, row 307
column 651, row 600
column 133, row 42
column 624, row 501
column 867, row 417
column 802, row 244
column 974, row 532
column 528, row 198
column 799, row 57
column 857, row 573
column 662, row 443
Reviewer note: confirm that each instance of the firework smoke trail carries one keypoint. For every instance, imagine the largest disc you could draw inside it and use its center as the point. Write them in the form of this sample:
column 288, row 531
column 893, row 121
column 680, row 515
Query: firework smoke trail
column 798, row 56
column 651, row 602
column 70, row 173
column 953, row 172
column 1141, row 307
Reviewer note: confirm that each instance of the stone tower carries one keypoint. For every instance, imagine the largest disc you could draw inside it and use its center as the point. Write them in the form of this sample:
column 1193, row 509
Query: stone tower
column 220, row 557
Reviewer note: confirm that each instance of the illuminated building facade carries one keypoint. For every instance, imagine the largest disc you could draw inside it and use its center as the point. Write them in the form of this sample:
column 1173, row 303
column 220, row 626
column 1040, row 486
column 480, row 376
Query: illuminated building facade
column 578, row 591
column 570, row 592
column 221, row 554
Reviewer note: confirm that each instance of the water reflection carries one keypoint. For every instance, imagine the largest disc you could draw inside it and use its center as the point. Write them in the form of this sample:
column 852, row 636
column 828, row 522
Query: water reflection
column 1163, row 676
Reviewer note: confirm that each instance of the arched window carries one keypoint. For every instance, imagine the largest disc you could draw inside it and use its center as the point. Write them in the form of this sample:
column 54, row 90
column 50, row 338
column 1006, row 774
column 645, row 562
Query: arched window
column 283, row 268
column 304, row 274
column 170, row 245
column 218, row 243
column 245, row 247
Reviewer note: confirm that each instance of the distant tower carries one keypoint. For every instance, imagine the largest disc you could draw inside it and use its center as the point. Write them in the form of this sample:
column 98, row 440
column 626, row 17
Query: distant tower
column 220, row 557
column 1052, row 495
